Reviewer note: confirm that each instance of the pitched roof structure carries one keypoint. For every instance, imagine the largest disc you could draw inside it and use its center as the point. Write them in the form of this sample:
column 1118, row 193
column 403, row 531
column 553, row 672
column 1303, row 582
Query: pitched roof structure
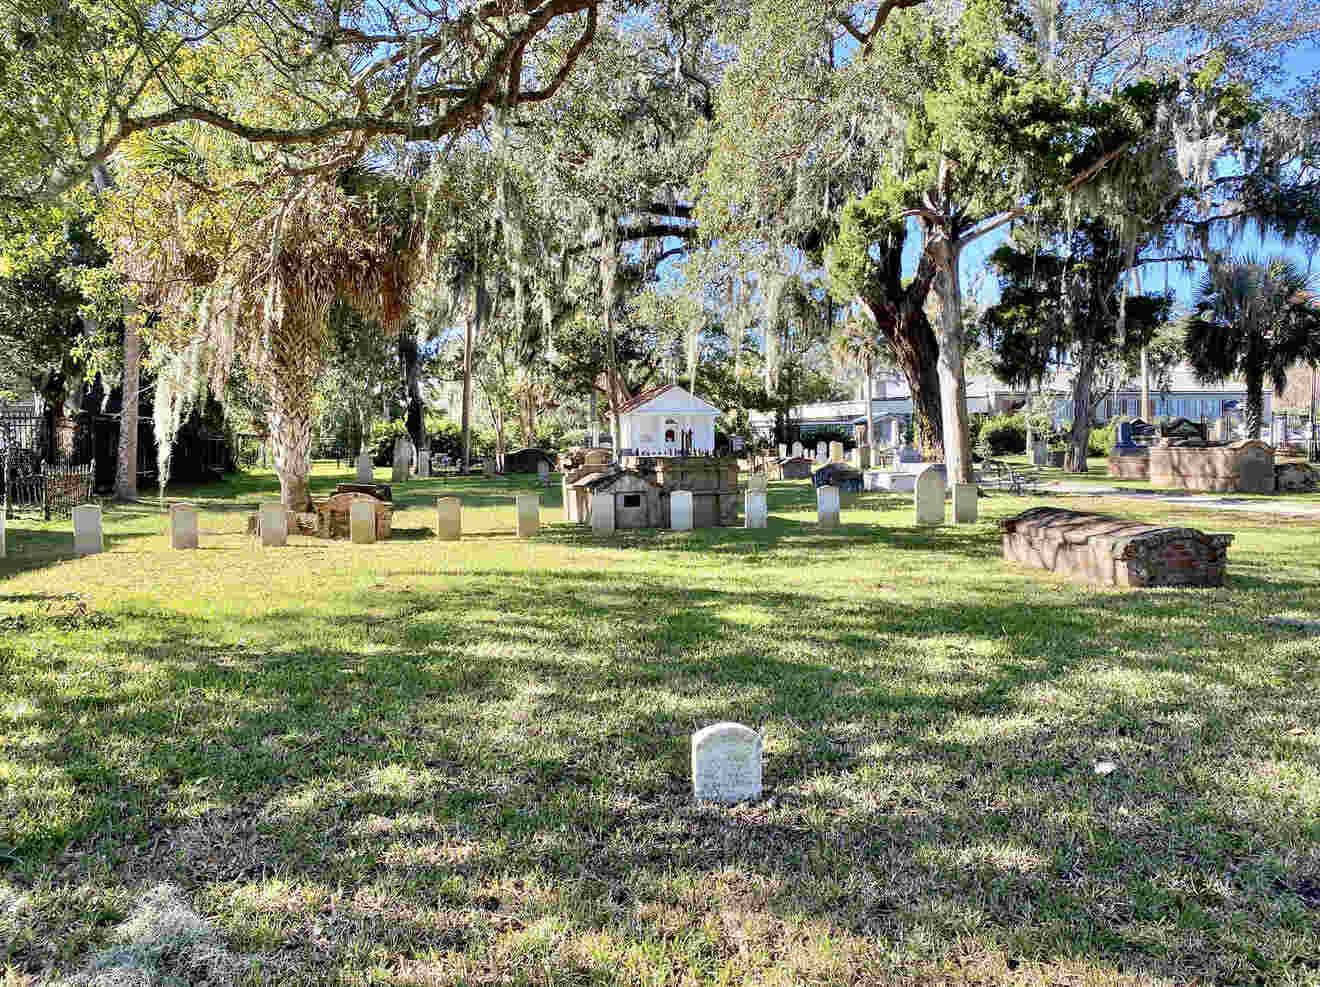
column 647, row 396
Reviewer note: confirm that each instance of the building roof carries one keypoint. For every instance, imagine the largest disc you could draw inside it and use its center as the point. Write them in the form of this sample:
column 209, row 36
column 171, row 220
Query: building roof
column 677, row 398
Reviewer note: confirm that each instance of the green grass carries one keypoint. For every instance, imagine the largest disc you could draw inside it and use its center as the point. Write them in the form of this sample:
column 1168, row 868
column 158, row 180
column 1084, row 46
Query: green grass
column 419, row 762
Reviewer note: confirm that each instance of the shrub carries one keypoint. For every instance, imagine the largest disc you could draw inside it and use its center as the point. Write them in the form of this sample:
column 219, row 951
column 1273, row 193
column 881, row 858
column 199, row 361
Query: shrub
column 1003, row 434
column 1102, row 440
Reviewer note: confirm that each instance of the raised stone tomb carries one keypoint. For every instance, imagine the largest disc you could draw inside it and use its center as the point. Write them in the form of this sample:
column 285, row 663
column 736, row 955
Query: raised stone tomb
column 1246, row 466
column 333, row 515
column 1110, row 551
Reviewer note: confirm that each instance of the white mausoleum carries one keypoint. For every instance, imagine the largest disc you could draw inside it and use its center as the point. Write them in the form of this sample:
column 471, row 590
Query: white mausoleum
column 654, row 422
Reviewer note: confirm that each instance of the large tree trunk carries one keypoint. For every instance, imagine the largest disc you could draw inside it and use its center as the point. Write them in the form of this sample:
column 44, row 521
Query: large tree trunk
column 1080, row 437
column 126, row 468
column 291, row 435
column 947, row 302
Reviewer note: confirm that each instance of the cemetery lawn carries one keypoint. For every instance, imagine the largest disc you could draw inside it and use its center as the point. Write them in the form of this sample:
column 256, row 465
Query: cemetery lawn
column 441, row 763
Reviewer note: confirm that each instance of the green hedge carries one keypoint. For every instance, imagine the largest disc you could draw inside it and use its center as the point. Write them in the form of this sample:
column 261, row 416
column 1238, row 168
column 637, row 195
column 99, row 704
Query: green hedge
column 1004, row 434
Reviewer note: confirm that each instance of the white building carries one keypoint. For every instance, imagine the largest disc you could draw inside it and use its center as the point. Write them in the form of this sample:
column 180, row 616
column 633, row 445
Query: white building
column 665, row 421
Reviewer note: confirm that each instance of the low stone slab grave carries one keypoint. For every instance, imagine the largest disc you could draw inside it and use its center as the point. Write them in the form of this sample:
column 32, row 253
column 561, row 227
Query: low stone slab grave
column 1110, row 551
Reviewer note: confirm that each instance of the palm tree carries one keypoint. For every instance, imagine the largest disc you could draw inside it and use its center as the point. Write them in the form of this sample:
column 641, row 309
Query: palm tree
column 1253, row 319
column 858, row 341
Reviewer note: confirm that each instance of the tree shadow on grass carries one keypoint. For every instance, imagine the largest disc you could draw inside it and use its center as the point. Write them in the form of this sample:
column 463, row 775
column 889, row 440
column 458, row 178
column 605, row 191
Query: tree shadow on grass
column 930, row 771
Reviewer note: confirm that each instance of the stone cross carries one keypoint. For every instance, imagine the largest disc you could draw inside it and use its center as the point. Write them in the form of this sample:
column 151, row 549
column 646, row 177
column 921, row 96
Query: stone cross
column 680, row 510
column 361, row 523
column 448, row 518
column 755, row 506
column 726, row 764
column 827, row 506
column 365, row 473
column 273, row 523
column 184, row 526
column 529, row 514
column 87, row 536
column 602, row 513
column 928, row 494
column 964, row 503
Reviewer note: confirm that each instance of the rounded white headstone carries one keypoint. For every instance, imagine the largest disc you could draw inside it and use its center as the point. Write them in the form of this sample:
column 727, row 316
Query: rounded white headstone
column 726, row 763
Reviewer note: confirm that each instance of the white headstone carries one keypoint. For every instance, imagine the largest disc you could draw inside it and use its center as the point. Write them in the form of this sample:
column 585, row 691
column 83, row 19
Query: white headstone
column 822, row 452
column 273, row 522
column 87, row 537
column 361, row 523
column 602, row 513
column 928, row 494
column 756, row 511
column 726, row 764
column 2, row 534
column 448, row 518
column 836, row 452
column 798, row 449
column 185, row 528
column 680, row 510
column 423, row 464
column 827, row 506
column 964, row 503
column 529, row 514
column 365, row 473
column 402, row 458
column 896, row 433
column 783, row 450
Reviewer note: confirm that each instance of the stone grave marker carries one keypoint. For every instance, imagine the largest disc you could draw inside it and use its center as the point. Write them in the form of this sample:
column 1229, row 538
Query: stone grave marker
column 529, row 514
column 602, row 513
column 798, row 450
column 362, row 522
column 822, row 452
column 185, row 527
column 273, row 522
column 2, row 533
column 680, row 510
column 726, row 764
column 423, row 464
column 757, row 513
column 1040, row 452
column 964, row 503
column 448, row 518
column 87, row 535
column 928, row 494
column 836, row 452
column 402, row 457
column 365, row 473
column 827, row 506
column 783, row 450
column 543, row 472
column 758, row 481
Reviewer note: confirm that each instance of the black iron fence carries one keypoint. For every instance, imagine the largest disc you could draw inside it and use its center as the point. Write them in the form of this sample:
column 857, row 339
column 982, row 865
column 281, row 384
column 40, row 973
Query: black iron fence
column 46, row 466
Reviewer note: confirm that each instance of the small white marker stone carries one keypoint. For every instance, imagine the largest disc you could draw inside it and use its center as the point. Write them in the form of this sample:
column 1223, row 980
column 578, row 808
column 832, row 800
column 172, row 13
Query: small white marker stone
column 726, row 763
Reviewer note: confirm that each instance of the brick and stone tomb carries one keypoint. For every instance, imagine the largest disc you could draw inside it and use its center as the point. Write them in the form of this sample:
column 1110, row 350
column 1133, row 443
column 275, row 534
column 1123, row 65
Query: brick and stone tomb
column 333, row 515
column 1110, row 551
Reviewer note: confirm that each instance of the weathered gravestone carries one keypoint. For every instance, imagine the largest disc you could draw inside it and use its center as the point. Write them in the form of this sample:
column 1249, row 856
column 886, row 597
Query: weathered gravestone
column 798, row 450
column 273, row 523
column 1255, row 467
column 529, row 514
column 680, row 510
column 757, row 512
column 362, row 522
column 365, row 473
column 964, row 503
column 822, row 452
column 448, row 518
column 543, row 472
column 827, row 506
column 726, row 764
column 184, row 526
column 423, row 463
column 758, row 481
column 783, row 451
column 928, row 494
column 836, row 452
column 87, row 536
column 2, row 533
column 402, row 460
column 602, row 513
column 896, row 433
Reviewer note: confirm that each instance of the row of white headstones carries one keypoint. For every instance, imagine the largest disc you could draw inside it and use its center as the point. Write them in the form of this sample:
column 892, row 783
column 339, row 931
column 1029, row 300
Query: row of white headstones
column 273, row 519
